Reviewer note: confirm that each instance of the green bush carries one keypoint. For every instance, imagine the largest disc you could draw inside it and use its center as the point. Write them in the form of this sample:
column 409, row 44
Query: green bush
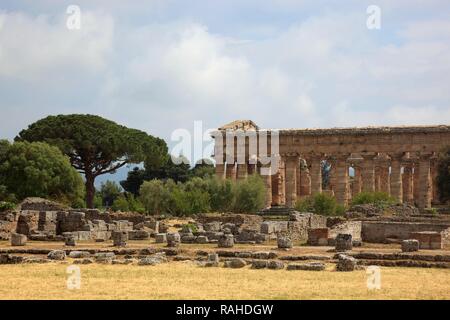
column 109, row 191
column 379, row 199
column 320, row 203
column 188, row 202
column 4, row 206
column 121, row 204
column 202, row 195
column 250, row 195
column 156, row 197
column 38, row 170
column 222, row 194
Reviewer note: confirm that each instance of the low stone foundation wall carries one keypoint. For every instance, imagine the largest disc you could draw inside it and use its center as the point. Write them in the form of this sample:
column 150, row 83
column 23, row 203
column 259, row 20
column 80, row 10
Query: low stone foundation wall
column 348, row 227
column 380, row 232
column 297, row 228
column 243, row 221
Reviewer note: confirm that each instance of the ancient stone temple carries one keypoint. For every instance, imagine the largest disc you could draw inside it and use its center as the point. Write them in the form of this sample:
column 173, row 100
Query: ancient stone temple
column 398, row 160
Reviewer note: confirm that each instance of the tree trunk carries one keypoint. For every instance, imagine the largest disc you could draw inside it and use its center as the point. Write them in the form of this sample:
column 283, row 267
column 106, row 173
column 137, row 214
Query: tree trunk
column 90, row 190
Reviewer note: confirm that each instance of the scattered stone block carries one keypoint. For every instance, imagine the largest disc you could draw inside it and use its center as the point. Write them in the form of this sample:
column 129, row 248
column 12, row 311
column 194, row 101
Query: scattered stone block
column 79, row 254
column 259, row 264
column 173, row 239
column 147, row 251
column 226, row 241
column 18, row 239
column 188, row 238
column 343, row 242
column 410, row 245
column 428, row 239
column 10, row 259
column 69, row 240
column 56, row 255
column 284, row 242
column 318, row 236
column 84, row 261
column 311, row 266
column 264, row 255
column 346, row 263
column 201, row 239
column 244, row 254
column 235, row 263
column 161, row 238
column 138, row 235
column 153, row 260
column 212, row 226
column 275, row 265
column 104, row 257
column 120, row 238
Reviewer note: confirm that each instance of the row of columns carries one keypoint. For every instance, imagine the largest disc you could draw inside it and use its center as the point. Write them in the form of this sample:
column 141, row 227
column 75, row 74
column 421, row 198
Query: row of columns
column 406, row 179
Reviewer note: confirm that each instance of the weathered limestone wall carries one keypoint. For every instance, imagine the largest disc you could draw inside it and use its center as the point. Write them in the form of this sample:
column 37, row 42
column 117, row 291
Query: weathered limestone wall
column 243, row 221
column 378, row 232
column 348, row 227
column 297, row 228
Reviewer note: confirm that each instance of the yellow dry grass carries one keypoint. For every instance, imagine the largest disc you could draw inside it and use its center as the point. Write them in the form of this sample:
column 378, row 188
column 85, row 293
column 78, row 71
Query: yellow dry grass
column 180, row 280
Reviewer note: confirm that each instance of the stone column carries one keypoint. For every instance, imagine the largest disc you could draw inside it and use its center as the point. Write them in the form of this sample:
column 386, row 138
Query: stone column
column 315, row 172
column 368, row 172
column 220, row 171
column 230, row 171
column 434, row 186
column 416, row 183
column 242, row 171
column 377, row 178
column 333, row 175
column 299, row 181
column 357, row 183
column 305, row 179
column 408, row 184
column 291, row 164
column 251, row 169
column 396, row 177
column 424, row 200
column 384, row 179
column 267, row 182
column 341, row 189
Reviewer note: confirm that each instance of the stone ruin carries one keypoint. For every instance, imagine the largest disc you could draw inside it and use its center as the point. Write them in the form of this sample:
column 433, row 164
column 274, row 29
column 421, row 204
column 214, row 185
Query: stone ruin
column 43, row 220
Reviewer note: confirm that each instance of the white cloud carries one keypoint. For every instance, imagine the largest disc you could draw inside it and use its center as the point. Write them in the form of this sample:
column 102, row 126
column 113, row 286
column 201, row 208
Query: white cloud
column 324, row 71
column 32, row 48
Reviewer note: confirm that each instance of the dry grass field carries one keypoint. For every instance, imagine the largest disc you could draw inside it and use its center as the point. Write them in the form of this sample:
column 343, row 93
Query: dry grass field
column 185, row 280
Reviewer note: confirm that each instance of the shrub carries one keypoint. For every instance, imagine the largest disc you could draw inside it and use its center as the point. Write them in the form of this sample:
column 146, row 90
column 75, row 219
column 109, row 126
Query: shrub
column 222, row 194
column 109, row 191
column 250, row 195
column 39, row 170
column 121, row 204
column 320, row 203
column 190, row 201
column 156, row 196
column 4, row 206
column 379, row 199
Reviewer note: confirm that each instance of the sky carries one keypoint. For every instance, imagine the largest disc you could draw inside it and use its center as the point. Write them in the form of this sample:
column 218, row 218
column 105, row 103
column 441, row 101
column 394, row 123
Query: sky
column 160, row 65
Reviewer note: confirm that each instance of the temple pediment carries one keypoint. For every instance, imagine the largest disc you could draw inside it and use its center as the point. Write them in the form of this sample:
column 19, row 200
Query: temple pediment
column 240, row 125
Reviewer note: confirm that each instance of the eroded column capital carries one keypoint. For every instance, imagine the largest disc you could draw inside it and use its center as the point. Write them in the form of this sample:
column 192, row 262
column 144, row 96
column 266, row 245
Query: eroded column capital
column 426, row 155
column 396, row 156
column 368, row 155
